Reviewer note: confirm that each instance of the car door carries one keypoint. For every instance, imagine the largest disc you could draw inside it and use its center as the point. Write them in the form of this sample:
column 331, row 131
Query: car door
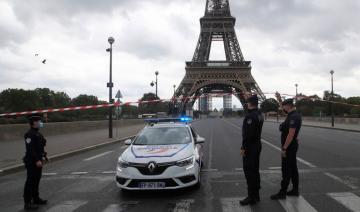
column 199, row 147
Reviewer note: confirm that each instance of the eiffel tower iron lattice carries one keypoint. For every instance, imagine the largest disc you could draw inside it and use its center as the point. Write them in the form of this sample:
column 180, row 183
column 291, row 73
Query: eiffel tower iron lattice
column 206, row 76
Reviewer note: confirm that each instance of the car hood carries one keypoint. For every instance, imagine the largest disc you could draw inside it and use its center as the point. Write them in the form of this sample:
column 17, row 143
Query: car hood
column 157, row 153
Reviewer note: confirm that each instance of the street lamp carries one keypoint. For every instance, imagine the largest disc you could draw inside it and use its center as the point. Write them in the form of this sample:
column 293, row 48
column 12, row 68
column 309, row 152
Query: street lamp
column 296, row 85
column 332, row 98
column 174, row 89
column 155, row 83
column 110, row 85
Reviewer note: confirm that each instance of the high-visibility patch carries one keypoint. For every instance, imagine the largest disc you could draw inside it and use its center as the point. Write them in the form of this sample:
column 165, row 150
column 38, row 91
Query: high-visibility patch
column 249, row 121
column 28, row 140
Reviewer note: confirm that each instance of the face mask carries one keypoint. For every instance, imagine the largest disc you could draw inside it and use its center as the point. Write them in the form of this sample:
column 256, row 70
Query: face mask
column 41, row 124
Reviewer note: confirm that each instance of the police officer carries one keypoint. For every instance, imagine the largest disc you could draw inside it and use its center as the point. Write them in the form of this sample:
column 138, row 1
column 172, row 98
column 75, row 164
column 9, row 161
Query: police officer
column 290, row 129
column 34, row 159
column 250, row 150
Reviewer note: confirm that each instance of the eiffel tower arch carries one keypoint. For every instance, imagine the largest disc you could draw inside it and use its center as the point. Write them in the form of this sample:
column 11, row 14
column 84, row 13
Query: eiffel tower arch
column 204, row 76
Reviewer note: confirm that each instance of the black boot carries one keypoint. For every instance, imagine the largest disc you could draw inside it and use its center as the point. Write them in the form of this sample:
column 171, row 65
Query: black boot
column 40, row 201
column 29, row 206
column 248, row 201
column 293, row 193
column 279, row 195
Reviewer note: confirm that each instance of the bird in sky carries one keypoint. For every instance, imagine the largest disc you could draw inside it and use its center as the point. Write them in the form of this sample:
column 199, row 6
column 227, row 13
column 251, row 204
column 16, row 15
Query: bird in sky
column 44, row 61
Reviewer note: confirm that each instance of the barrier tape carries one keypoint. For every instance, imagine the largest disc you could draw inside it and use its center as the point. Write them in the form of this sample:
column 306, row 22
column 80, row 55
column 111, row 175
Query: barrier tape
column 89, row 107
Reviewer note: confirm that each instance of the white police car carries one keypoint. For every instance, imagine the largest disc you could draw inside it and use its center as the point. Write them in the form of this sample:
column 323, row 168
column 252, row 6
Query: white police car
column 166, row 154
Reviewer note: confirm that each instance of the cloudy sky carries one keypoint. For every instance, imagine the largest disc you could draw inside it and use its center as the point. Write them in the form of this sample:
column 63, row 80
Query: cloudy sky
column 288, row 42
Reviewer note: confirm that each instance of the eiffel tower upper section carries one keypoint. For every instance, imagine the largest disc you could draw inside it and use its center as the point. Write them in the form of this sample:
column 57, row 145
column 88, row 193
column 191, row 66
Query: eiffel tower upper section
column 218, row 25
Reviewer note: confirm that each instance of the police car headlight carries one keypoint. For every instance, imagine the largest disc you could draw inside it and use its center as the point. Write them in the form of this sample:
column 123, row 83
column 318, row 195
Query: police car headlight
column 123, row 164
column 186, row 162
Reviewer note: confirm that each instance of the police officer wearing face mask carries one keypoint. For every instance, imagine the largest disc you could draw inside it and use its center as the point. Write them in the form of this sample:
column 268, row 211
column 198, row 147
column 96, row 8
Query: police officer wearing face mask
column 290, row 129
column 250, row 150
column 34, row 159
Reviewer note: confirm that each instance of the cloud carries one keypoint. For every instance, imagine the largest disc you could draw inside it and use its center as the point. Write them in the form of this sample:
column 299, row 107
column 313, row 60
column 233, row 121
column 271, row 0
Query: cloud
column 288, row 42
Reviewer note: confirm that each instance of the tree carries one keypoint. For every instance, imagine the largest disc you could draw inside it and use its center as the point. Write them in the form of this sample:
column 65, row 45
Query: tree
column 269, row 105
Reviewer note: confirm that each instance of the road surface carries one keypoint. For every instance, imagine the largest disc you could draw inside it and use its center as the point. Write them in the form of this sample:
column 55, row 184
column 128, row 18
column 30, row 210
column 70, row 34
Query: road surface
column 329, row 163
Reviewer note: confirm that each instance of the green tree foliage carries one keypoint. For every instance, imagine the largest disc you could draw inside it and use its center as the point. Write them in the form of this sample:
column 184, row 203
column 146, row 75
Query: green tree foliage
column 269, row 105
column 152, row 107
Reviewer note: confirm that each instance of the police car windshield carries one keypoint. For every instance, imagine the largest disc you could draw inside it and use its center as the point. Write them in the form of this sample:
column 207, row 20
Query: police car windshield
column 163, row 136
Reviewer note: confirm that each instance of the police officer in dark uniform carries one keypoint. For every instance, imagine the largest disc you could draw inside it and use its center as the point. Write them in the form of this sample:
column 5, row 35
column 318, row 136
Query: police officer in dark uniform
column 34, row 159
column 250, row 150
column 290, row 129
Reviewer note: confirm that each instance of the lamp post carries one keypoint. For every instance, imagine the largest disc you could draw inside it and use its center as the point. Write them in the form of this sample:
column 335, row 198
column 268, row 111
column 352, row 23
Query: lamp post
column 174, row 90
column 110, row 85
column 332, row 98
column 296, row 85
column 156, row 83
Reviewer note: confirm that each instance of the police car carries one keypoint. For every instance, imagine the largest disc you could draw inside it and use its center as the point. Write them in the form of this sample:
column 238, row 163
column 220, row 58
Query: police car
column 166, row 154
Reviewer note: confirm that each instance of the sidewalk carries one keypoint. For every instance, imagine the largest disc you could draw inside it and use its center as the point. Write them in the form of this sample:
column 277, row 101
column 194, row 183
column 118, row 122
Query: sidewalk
column 338, row 126
column 11, row 152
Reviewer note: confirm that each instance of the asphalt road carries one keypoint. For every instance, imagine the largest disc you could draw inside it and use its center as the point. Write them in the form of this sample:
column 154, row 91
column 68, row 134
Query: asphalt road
column 329, row 163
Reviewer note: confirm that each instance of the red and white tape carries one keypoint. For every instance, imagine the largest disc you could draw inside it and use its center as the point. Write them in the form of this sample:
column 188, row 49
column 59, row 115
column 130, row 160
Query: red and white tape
column 89, row 107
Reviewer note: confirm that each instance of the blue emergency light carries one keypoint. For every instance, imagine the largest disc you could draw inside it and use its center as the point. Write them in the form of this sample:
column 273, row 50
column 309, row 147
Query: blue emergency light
column 184, row 119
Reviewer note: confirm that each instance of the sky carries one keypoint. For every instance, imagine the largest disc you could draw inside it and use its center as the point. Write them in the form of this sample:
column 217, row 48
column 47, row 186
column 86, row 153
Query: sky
column 288, row 42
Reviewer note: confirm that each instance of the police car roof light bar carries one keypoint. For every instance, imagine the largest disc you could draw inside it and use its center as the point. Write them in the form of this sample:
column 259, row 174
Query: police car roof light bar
column 184, row 119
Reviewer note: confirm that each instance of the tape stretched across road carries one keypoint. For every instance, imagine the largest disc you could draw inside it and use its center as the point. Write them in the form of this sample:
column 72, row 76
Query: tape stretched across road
column 193, row 98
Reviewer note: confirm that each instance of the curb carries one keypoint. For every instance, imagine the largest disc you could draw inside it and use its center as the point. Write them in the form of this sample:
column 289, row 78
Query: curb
column 328, row 128
column 19, row 167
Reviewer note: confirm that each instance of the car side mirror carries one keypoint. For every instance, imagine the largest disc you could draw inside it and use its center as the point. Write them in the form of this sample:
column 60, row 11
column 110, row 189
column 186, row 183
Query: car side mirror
column 128, row 142
column 199, row 140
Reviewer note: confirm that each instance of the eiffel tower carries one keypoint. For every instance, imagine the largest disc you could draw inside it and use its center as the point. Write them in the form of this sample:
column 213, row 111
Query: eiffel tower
column 204, row 76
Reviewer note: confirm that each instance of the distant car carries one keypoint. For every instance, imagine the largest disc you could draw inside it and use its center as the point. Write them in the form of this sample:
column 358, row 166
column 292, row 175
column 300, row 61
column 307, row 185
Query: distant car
column 166, row 154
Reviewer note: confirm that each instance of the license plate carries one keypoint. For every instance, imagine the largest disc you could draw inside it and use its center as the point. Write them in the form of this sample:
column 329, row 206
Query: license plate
column 151, row 185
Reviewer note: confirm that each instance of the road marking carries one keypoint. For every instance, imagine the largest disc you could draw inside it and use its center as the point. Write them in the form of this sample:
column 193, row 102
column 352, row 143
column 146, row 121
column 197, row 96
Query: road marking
column 97, row 156
column 49, row 174
column 239, row 169
column 233, row 205
column 120, row 208
column 296, row 204
column 209, row 170
column 275, row 147
column 299, row 159
column 109, row 172
column 183, row 206
column 210, row 149
column 354, row 187
column 124, row 147
column 79, row 173
column 347, row 199
column 67, row 206
column 275, row 168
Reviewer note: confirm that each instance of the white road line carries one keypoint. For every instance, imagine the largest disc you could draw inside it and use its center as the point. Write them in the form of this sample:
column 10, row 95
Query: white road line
column 49, row 174
column 239, row 169
column 350, row 185
column 347, row 199
column 97, row 156
column 275, row 168
column 183, row 205
column 209, row 170
column 275, row 147
column 210, row 149
column 67, row 206
column 233, row 205
column 299, row 159
column 109, row 172
column 296, row 204
column 78, row 173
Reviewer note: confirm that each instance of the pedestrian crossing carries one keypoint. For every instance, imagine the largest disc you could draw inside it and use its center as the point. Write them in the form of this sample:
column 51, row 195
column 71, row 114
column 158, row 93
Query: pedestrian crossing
column 346, row 200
